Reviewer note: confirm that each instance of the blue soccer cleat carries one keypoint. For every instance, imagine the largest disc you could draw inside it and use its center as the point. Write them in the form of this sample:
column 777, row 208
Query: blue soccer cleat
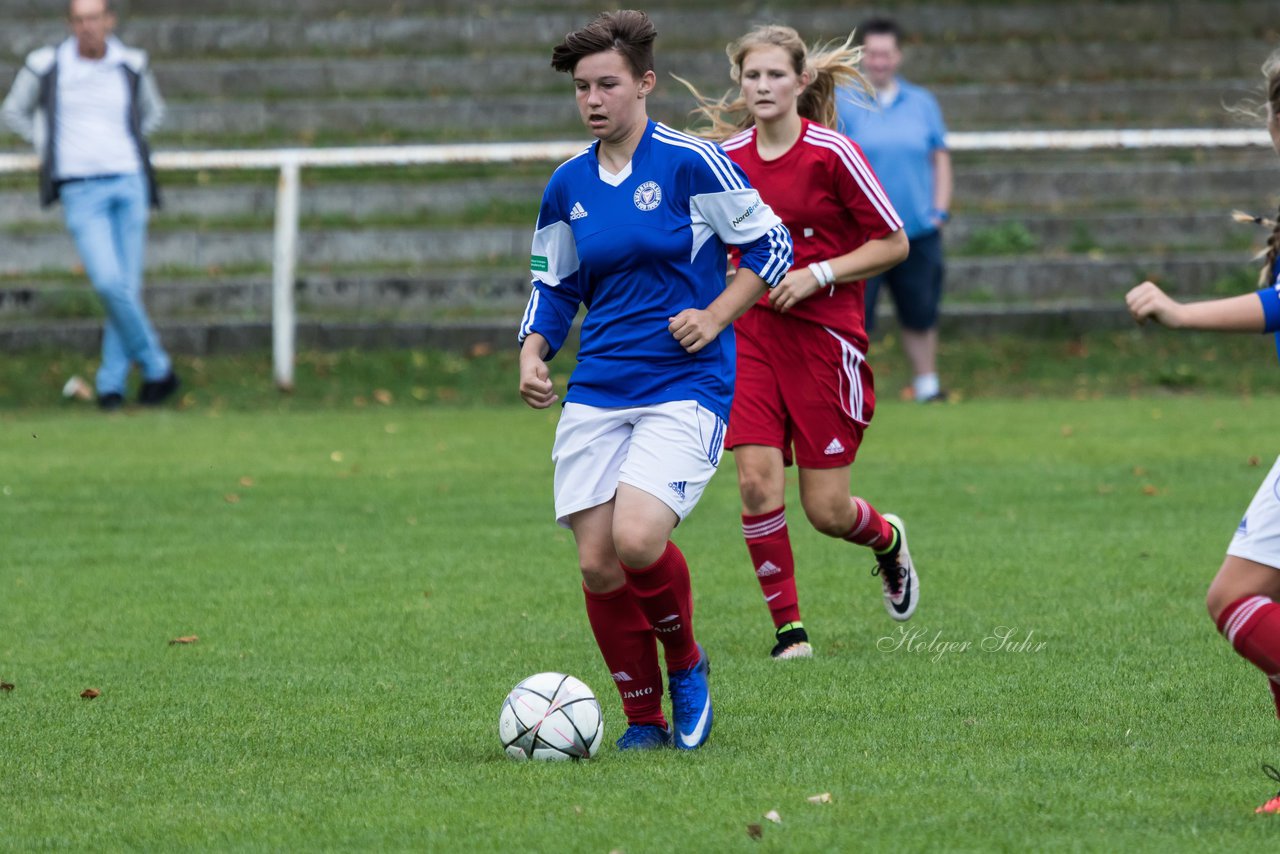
column 691, row 703
column 645, row 737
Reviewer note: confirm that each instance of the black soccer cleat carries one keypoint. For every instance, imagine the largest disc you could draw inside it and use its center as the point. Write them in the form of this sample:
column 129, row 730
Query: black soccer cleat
column 793, row 642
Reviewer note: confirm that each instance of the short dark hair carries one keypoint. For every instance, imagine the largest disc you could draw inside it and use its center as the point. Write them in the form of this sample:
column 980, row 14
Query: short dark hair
column 879, row 27
column 629, row 32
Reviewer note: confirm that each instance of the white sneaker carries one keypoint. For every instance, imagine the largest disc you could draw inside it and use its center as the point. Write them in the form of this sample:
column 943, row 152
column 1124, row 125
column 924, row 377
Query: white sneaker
column 898, row 575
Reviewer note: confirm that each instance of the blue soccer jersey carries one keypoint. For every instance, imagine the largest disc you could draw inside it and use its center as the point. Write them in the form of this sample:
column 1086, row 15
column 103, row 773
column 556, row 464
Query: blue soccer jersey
column 638, row 248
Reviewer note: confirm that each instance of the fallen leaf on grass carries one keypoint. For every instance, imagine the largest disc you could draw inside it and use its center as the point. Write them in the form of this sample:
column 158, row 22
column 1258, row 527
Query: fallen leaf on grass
column 246, row 481
column 184, row 639
column 383, row 396
column 1149, row 489
column 90, row 693
column 231, row 498
column 6, row 686
column 1254, row 461
column 824, row 798
column 755, row 831
column 773, row 816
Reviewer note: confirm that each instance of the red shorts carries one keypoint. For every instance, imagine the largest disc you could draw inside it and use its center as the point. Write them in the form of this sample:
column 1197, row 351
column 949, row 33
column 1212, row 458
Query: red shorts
column 799, row 384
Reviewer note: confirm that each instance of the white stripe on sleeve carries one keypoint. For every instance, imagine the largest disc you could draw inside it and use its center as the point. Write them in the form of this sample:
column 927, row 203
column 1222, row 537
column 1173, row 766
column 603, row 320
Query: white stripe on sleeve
column 858, row 168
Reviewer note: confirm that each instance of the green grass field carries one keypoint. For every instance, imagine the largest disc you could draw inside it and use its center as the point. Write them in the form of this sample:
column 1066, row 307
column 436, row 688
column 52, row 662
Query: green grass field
column 367, row 582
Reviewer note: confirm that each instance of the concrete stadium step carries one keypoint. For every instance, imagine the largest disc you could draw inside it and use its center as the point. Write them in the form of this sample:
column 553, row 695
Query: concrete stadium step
column 503, row 291
column 248, row 31
column 548, row 116
column 237, row 335
column 455, row 294
column 49, row 251
column 1024, row 186
column 947, row 63
column 256, row 202
column 1099, row 233
column 215, row 249
column 1179, row 186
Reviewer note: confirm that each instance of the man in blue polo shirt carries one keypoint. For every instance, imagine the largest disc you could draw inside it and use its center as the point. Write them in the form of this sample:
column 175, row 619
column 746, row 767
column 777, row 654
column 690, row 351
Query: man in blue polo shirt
column 904, row 137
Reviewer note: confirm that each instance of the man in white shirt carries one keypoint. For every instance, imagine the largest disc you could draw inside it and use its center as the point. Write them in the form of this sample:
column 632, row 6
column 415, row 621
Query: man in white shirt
column 88, row 105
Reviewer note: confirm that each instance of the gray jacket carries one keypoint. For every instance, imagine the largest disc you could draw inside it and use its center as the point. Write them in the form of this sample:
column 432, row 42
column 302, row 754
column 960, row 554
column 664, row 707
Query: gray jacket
column 31, row 108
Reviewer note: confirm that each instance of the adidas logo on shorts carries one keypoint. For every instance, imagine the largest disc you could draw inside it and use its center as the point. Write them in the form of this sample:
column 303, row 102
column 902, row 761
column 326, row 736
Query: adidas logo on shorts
column 677, row 486
column 834, row 448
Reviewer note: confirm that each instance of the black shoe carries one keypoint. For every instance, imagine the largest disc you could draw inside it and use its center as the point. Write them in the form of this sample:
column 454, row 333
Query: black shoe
column 793, row 642
column 111, row 401
column 157, row 392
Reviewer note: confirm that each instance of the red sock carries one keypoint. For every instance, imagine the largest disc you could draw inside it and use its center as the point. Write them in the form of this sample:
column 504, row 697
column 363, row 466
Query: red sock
column 1252, row 624
column 869, row 527
column 663, row 593
column 769, row 545
column 626, row 641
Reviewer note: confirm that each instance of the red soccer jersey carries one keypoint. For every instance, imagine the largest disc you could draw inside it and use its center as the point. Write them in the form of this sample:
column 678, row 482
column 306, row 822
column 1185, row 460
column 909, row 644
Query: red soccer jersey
column 831, row 202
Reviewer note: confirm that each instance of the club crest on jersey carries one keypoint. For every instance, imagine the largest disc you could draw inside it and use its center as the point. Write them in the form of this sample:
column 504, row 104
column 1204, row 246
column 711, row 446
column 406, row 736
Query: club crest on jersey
column 648, row 196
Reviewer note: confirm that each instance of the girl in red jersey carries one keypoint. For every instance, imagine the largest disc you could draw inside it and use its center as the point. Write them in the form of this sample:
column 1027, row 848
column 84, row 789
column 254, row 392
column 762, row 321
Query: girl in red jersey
column 1242, row 600
column 804, row 390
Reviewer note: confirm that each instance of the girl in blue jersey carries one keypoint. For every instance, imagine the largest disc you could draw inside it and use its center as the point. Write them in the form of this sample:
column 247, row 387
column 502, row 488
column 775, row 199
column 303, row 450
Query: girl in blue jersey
column 1242, row 600
column 635, row 229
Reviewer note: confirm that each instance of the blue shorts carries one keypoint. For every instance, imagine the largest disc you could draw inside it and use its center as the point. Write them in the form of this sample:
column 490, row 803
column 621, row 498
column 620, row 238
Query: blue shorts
column 916, row 285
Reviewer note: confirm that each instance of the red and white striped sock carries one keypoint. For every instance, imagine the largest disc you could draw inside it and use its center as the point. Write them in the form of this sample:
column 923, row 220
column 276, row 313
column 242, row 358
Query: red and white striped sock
column 1252, row 625
column 630, row 652
column 869, row 527
column 769, row 545
column 662, row 591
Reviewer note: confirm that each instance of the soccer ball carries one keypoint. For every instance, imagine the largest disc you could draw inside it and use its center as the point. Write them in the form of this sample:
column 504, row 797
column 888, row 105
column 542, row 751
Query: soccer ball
column 550, row 716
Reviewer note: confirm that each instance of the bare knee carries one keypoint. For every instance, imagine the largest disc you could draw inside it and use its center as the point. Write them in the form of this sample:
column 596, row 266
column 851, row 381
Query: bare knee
column 601, row 576
column 638, row 548
column 757, row 493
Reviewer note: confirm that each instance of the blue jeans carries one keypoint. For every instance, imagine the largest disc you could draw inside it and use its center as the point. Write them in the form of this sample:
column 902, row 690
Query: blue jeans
column 107, row 218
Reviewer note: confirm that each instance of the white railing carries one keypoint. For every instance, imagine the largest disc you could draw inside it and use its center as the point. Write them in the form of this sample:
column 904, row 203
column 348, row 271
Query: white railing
column 290, row 162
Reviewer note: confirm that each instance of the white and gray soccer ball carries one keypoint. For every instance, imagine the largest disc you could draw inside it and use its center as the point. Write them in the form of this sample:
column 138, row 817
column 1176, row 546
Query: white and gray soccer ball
column 550, row 716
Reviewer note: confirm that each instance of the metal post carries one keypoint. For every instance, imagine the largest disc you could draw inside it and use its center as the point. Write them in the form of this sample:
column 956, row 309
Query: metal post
column 284, row 268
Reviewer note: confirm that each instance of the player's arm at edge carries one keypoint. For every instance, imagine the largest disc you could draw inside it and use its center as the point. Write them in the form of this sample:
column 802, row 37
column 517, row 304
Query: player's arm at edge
column 1255, row 312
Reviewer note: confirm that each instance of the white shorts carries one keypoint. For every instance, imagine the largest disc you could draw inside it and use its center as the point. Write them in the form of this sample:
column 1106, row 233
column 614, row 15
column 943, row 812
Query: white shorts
column 1258, row 537
column 669, row 451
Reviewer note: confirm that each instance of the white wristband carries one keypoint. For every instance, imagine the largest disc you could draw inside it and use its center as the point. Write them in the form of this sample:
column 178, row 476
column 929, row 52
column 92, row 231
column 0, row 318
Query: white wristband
column 822, row 272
